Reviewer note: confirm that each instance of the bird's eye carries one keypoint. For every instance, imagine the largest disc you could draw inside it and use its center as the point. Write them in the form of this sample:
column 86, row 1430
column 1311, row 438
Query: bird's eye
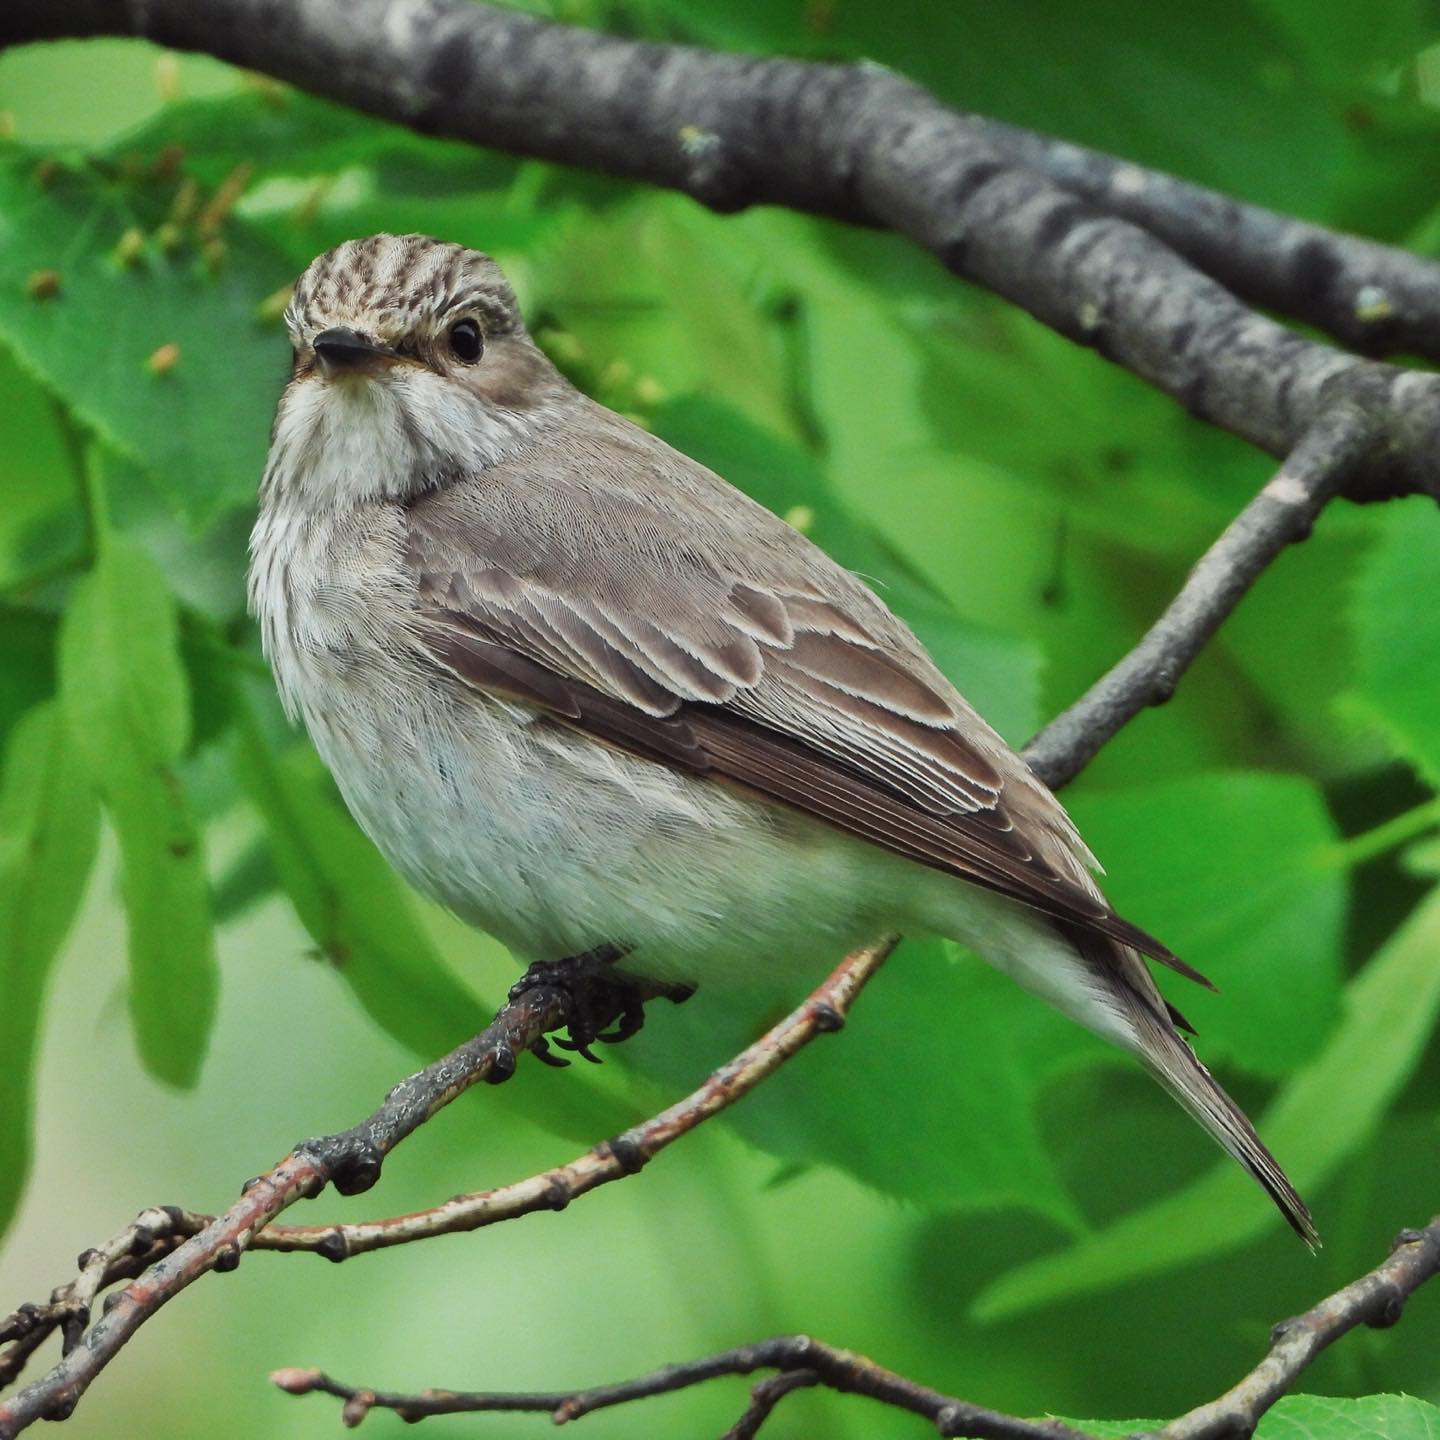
column 465, row 342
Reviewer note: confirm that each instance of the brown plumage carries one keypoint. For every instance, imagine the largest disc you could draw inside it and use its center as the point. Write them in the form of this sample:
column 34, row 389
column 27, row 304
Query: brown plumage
column 500, row 612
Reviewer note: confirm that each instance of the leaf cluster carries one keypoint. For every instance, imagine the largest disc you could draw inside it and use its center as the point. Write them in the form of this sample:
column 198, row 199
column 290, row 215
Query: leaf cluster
column 1026, row 508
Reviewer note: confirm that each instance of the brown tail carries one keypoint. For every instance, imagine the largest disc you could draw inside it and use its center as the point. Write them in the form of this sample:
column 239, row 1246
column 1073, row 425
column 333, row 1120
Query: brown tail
column 1175, row 1065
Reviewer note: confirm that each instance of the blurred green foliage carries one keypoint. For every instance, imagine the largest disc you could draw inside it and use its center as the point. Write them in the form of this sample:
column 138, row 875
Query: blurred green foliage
column 963, row 1184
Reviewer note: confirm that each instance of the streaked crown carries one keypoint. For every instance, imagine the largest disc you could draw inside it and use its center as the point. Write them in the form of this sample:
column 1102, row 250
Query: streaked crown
column 388, row 286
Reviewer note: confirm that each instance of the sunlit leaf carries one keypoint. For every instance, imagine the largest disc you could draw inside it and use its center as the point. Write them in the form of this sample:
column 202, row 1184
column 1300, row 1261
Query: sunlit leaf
column 1317, row 1417
column 48, row 830
column 126, row 704
column 91, row 332
column 1332, row 1417
column 1318, row 1119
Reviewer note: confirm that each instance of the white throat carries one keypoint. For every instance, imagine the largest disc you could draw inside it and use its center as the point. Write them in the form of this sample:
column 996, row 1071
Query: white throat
column 387, row 437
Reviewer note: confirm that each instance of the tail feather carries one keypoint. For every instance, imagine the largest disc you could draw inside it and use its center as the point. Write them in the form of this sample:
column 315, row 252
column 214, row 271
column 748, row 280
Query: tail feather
column 1178, row 1069
column 1169, row 1058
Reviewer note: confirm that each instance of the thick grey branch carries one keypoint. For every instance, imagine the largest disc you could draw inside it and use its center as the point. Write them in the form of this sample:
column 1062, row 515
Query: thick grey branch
column 1283, row 512
column 1375, row 299
column 851, row 141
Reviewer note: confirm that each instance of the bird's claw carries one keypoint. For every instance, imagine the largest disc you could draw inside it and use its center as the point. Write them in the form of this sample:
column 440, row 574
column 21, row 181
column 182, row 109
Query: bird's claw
column 596, row 996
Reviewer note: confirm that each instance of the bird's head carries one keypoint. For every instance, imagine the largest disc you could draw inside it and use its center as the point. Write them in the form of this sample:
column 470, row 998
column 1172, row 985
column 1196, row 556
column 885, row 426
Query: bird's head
column 411, row 362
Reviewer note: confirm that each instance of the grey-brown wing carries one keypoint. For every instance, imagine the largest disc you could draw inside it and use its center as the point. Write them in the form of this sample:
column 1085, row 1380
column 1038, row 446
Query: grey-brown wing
column 755, row 662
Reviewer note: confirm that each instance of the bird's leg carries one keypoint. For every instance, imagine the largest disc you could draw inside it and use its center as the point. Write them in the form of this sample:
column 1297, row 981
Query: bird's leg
column 598, row 995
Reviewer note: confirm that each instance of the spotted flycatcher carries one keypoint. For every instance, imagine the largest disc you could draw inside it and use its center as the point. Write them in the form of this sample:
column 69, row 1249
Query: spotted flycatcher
column 593, row 699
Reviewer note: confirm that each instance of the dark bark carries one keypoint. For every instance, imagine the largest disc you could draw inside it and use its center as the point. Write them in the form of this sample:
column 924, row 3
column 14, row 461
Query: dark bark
column 1376, row 1299
column 855, row 142
column 1373, row 298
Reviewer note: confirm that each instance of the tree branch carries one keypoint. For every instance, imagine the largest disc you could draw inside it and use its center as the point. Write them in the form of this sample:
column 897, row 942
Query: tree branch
column 800, row 1361
column 1282, row 513
column 1375, row 299
column 350, row 1160
column 172, row 1248
column 1376, row 1299
column 858, row 143
column 1112, row 256
column 611, row 1160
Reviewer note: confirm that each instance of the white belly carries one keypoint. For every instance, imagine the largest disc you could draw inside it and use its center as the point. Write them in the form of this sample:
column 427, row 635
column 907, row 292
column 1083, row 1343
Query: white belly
column 550, row 841
column 555, row 843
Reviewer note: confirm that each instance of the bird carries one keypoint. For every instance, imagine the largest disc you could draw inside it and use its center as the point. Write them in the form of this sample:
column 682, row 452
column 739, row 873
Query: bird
column 596, row 701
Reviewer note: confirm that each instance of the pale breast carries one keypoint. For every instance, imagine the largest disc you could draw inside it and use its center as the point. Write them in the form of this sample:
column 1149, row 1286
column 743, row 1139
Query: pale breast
column 533, row 832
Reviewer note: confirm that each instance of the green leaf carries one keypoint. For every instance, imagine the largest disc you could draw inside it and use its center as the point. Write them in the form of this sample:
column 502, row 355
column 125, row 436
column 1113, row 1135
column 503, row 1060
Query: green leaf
column 126, row 703
column 363, row 921
column 1318, row 1119
column 49, row 825
column 38, row 526
column 1397, row 636
column 1237, row 873
column 658, row 290
column 27, row 662
column 200, row 428
column 1370, row 1417
column 351, row 902
column 968, row 1139
column 322, row 173
column 1316, row 1417
column 248, row 879
column 1290, row 648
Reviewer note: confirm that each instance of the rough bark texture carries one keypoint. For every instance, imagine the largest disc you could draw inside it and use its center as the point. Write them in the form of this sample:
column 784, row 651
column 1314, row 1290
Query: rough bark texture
column 1144, row 268
column 861, row 144
column 1371, row 297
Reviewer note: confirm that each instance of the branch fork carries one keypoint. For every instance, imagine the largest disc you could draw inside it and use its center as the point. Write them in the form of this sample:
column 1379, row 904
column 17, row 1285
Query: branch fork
column 1154, row 273
column 165, row 1249
column 1376, row 1299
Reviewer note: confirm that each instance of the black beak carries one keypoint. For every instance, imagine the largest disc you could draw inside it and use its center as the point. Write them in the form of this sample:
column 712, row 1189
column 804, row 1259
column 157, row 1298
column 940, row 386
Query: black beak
column 341, row 351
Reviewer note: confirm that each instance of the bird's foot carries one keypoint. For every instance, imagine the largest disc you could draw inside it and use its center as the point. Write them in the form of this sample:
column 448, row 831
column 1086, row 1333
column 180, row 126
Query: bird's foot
column 598, row 997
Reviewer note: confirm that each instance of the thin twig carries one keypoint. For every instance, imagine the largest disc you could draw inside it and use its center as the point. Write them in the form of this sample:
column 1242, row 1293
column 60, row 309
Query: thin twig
column 765, row 1395
column 825, row 1009
column 351, row 1161
column 1281, row 513
column 799, row 1360
column 1375, row 1299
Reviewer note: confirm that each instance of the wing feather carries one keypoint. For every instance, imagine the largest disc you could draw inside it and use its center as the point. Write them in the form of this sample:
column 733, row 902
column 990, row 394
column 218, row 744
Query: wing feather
column 722, row 643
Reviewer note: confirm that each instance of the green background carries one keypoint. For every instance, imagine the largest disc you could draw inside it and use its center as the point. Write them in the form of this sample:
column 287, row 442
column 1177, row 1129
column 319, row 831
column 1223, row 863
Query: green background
column 201, row 960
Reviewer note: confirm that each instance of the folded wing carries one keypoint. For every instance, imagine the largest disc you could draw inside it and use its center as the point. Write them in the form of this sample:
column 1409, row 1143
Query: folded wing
column 758, row 664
